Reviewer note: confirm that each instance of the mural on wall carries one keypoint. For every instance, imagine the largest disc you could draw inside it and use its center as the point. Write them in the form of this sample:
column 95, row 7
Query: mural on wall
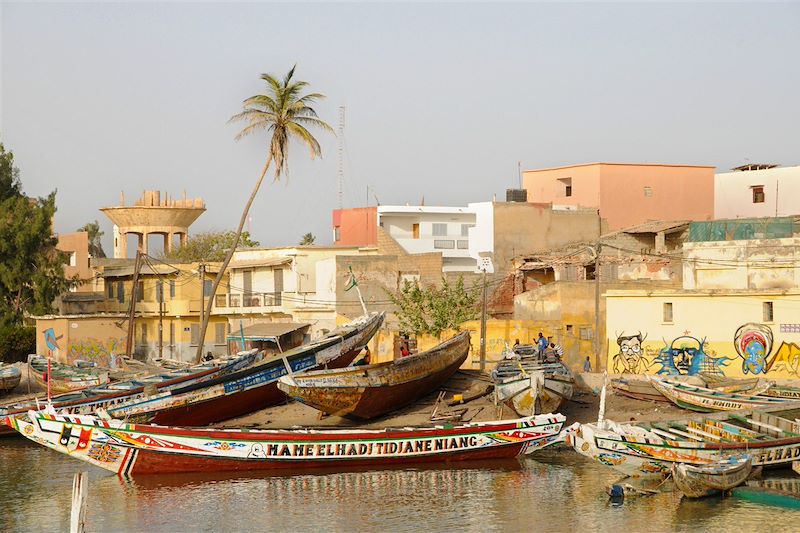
column 787, row 359
column 689, row 356
column 50, row 339
column 630, row 359
column 753, row 343
column 104, row 352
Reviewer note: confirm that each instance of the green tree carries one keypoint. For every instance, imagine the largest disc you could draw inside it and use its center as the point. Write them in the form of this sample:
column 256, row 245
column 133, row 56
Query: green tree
column 209, row 246
column 95, row 236
column 284, row 112
column 432, row 310
column 31, row 268
column 308, row 239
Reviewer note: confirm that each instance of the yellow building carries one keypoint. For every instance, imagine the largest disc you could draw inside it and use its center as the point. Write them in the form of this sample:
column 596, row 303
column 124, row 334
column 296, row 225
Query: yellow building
column 731, row 332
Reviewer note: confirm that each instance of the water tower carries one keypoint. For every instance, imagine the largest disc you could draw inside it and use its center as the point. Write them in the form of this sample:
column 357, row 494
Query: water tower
column 153, row 213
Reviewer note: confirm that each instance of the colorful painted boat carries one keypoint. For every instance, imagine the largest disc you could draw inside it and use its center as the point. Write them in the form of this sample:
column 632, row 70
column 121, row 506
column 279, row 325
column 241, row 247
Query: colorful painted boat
column 783, row 391
column 131, row 449
column 9, row 378
column 529, row 387
column 253, row 388
column 707, row 400
column 638, row 389
column 776, row 492
column 369, row 391
column 770, row 435
column 64, row 378
column 725, row 384
column 710, row 479
column 87, row 401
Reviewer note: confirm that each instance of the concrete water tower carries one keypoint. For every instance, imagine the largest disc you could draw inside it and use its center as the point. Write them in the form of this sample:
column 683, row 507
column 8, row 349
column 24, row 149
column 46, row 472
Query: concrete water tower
column 153, row 213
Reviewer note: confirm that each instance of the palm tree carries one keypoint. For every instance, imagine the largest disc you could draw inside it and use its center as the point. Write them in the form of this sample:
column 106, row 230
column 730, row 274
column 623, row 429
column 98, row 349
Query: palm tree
column 308, row 239
column 285, row 113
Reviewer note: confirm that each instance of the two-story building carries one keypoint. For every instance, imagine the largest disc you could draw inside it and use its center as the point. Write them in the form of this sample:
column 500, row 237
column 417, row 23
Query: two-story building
column 757, row 191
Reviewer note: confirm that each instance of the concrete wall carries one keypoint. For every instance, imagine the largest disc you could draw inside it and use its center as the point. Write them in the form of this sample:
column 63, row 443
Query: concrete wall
column 67, row 339
column 742, row 264
column 733, row 193
column 77, row 245
column 738, row 342
column 628, row 194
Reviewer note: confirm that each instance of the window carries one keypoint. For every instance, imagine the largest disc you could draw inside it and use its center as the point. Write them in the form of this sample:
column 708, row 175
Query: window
column 337, row 234
column 220, row 300
column 159, row 291
column 73, row 259
column 648, row 192
column 110, row 289
column 569, row 329
column 439, row 230
column 463, row 245
column 465, row 229
column 140, row 291
column 194, row 334
column 444, row 244
column 567, row 186
column 415, row 230
column 758, row 194
column 768, row 312
column 235, row 300
column 586, row 333
column 121, row 292
column 207, row 287
column 219, row 333
column 667, row 312
column 143, row 330
column 172, row 288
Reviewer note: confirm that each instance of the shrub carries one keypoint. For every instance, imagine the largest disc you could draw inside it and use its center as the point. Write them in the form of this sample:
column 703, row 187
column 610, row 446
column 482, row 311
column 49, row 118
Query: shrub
column 16, row 342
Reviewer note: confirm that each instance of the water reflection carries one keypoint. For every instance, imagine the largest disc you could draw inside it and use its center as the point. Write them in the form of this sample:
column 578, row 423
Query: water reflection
column 558, row 491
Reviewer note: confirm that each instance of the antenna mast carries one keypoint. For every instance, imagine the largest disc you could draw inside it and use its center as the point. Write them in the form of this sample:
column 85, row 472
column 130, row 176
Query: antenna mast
column 340, row 173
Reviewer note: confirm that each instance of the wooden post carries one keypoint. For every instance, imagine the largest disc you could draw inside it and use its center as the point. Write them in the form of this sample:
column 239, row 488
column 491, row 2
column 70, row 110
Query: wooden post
column 202, row 267
column 77, row 519
column 483, row 324
column 132, row 307
column 161, row 319
column 596, row 343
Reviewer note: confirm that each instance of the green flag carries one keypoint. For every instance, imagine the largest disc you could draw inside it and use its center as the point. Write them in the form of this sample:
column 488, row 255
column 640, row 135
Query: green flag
column 352, row 283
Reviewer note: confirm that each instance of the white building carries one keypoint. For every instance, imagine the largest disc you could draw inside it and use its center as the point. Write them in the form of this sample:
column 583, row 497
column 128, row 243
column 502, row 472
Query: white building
column 763, row 192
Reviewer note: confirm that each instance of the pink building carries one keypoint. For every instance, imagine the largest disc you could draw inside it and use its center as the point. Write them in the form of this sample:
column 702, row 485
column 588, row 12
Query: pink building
column 627, row 194
column 355, row 227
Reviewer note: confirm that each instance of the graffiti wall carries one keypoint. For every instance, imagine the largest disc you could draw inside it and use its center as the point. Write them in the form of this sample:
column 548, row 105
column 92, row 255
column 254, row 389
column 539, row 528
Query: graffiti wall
column 99, row 340
column 750, row 352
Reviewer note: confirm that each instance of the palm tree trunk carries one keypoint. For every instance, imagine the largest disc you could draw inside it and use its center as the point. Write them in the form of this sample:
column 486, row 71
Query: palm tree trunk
column 228, row 256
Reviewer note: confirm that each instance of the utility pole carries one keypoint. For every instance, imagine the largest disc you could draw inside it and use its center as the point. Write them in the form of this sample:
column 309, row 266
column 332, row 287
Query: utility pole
column 160, row 319
column 132, row 307
column 597, row 294
column 202, row 267
column 483, row 324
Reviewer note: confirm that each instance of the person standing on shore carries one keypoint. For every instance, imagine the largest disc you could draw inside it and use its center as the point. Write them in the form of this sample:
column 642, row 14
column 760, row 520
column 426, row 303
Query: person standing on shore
column 587, row 366
column 541, row 344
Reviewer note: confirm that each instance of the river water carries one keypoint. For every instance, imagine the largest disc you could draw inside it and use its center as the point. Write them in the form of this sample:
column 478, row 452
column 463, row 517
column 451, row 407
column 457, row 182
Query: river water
column 557, row 490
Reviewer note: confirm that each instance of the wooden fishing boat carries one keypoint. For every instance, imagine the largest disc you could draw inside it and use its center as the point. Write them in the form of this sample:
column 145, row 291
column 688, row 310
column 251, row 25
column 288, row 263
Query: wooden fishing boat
column 365, row 392
column 638, row 389
column 87, row 401
column 707, row 400
column 253, row 388
column 132, row 449
column 726, row 384
column 783, row 391
column 529, row 387
column 64, row 378
column 709, row 479
column 777, row 492
column 9, row 378
column 771, row 435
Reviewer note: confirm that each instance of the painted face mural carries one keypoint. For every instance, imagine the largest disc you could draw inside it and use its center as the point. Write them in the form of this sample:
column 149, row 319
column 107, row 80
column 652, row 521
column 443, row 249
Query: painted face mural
column 629, row 360
column 686, row 356
column 753, row 343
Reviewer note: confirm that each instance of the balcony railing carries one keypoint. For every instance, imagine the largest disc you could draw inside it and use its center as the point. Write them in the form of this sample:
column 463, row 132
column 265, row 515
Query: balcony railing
column 249, row 299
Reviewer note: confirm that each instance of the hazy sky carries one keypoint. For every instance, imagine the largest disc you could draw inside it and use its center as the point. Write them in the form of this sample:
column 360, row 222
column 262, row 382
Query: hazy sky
column 442, row 100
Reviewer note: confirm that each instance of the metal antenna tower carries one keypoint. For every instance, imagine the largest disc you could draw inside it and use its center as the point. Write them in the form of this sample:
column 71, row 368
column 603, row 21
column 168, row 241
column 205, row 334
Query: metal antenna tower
column 340, row 173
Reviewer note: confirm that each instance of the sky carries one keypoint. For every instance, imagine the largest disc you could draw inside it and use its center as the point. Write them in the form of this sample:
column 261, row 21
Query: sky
column 442, row 101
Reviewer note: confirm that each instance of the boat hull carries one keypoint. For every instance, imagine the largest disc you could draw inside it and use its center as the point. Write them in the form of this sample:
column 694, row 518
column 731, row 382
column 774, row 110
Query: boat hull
column 245, row 391
column 9, row 378
column 130, row 449
column 706, row 400
column 698, row 482
column 378, row 389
